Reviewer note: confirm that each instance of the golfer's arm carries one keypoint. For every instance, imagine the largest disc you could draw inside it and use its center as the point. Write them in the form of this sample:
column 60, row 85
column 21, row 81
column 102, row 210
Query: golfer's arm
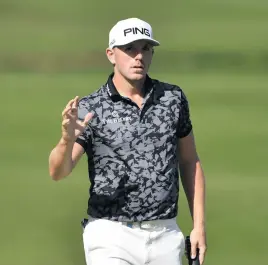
column 63, row 158
column 192, row 178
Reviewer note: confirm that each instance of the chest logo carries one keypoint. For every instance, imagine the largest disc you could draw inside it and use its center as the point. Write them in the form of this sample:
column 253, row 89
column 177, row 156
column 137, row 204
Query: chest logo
column 115, row 114
column 116, row 119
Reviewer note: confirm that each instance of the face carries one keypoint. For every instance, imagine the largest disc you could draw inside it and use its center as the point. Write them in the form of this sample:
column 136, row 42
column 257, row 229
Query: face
column 132, row 61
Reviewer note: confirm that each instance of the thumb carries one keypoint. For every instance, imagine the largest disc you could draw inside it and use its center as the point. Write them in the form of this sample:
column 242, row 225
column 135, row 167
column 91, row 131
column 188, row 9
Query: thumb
column 88, row 118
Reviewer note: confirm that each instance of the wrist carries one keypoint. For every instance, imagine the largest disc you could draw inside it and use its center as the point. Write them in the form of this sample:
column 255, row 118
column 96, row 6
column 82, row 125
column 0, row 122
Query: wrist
column 199, row 225
column 66, row 142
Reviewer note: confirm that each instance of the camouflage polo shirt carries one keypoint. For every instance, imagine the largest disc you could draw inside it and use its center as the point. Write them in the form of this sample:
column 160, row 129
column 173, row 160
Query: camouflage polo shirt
column 132, row 152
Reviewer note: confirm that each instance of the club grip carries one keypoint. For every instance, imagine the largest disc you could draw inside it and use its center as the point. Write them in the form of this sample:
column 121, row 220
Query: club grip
column 191, row 261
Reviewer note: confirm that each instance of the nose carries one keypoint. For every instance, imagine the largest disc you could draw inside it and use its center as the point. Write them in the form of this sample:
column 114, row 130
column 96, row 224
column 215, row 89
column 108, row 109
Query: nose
column 139, row 54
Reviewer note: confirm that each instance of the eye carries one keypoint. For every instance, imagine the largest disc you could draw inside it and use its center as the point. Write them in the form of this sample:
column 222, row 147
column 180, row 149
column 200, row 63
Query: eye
column 128, row 48
column 146, row 48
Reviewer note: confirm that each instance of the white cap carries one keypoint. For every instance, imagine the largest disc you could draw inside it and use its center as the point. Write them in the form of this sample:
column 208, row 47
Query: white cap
column 129, row 30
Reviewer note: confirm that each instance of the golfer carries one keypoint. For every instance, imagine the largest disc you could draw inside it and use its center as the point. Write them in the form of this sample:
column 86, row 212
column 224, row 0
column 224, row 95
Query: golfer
column 138, row 137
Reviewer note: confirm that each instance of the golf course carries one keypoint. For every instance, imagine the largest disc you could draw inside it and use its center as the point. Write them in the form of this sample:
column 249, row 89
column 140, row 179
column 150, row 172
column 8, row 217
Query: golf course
column 52, row 51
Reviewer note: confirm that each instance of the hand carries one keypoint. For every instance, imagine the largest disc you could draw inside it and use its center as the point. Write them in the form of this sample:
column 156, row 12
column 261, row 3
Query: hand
column 198, row 240
column 72, row 127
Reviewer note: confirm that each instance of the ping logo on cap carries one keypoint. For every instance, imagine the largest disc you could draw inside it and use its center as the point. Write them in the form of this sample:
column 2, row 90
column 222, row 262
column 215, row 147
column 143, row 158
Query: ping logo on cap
column 130, row 30
column 143, row 31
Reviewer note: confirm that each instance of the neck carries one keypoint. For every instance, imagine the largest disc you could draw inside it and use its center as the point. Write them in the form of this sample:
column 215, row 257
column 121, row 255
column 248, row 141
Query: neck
column 128, row 88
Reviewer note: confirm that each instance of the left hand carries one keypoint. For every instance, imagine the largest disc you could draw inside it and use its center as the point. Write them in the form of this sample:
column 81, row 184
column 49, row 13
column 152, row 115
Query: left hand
column 198, row 240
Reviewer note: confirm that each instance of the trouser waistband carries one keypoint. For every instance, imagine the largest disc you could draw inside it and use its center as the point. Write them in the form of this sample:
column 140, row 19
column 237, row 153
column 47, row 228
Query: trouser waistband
column 160, row 223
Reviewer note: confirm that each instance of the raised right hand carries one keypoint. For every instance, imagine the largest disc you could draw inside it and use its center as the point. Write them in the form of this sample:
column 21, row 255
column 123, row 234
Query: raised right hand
column 72, row 127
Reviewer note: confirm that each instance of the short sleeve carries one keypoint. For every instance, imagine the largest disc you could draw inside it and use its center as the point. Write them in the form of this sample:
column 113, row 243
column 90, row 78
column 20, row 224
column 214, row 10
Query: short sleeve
column 184, row 124
column 85, row 138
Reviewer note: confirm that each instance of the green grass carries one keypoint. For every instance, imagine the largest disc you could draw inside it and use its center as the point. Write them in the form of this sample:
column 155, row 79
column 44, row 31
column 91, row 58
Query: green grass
column 41, row 219
column 67, row 25
column 62, row 35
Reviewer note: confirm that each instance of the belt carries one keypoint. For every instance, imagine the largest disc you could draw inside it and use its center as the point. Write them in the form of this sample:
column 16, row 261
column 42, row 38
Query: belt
column 132, row 224
column 150, row 224
column 160, row 223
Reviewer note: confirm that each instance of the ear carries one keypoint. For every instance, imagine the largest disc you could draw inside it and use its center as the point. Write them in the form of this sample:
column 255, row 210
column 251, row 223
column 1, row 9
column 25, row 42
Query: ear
column 110, row 55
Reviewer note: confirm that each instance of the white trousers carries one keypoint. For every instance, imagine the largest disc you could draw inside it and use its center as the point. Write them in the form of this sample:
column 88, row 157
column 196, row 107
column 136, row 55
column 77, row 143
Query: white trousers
column 159, row 242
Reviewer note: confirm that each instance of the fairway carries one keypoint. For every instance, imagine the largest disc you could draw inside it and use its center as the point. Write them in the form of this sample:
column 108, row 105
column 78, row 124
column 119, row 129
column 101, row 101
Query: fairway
column 42, row 217
column 51, row 51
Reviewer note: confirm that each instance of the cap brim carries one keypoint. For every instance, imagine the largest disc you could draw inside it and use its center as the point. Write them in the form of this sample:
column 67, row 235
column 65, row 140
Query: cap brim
column 150, row 40
column 154, row 42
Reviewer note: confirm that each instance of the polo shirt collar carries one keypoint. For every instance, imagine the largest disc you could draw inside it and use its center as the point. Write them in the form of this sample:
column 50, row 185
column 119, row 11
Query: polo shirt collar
column 113, row 93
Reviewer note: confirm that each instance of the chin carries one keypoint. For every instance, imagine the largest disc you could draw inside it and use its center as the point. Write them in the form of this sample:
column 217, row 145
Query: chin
column 137, row 76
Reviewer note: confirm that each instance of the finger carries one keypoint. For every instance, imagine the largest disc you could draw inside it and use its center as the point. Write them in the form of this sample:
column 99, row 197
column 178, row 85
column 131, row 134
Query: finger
column 202, row 252
column 88, row 118
column 68, row 107
column 70, row 115
column 70, row 103
column 193, row 249
column 75, row 103
column 65, row 122
column 74, row 109
column 65, row 111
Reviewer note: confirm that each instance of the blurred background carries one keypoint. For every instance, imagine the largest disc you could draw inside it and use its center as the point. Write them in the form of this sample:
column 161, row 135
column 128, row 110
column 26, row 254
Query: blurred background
column 51, row 51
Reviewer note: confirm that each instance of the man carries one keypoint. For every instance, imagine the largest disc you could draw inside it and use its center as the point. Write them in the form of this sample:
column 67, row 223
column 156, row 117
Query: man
column 137, row 134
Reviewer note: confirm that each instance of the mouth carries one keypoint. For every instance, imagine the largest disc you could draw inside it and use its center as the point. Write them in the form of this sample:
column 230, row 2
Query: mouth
column 140, row 67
